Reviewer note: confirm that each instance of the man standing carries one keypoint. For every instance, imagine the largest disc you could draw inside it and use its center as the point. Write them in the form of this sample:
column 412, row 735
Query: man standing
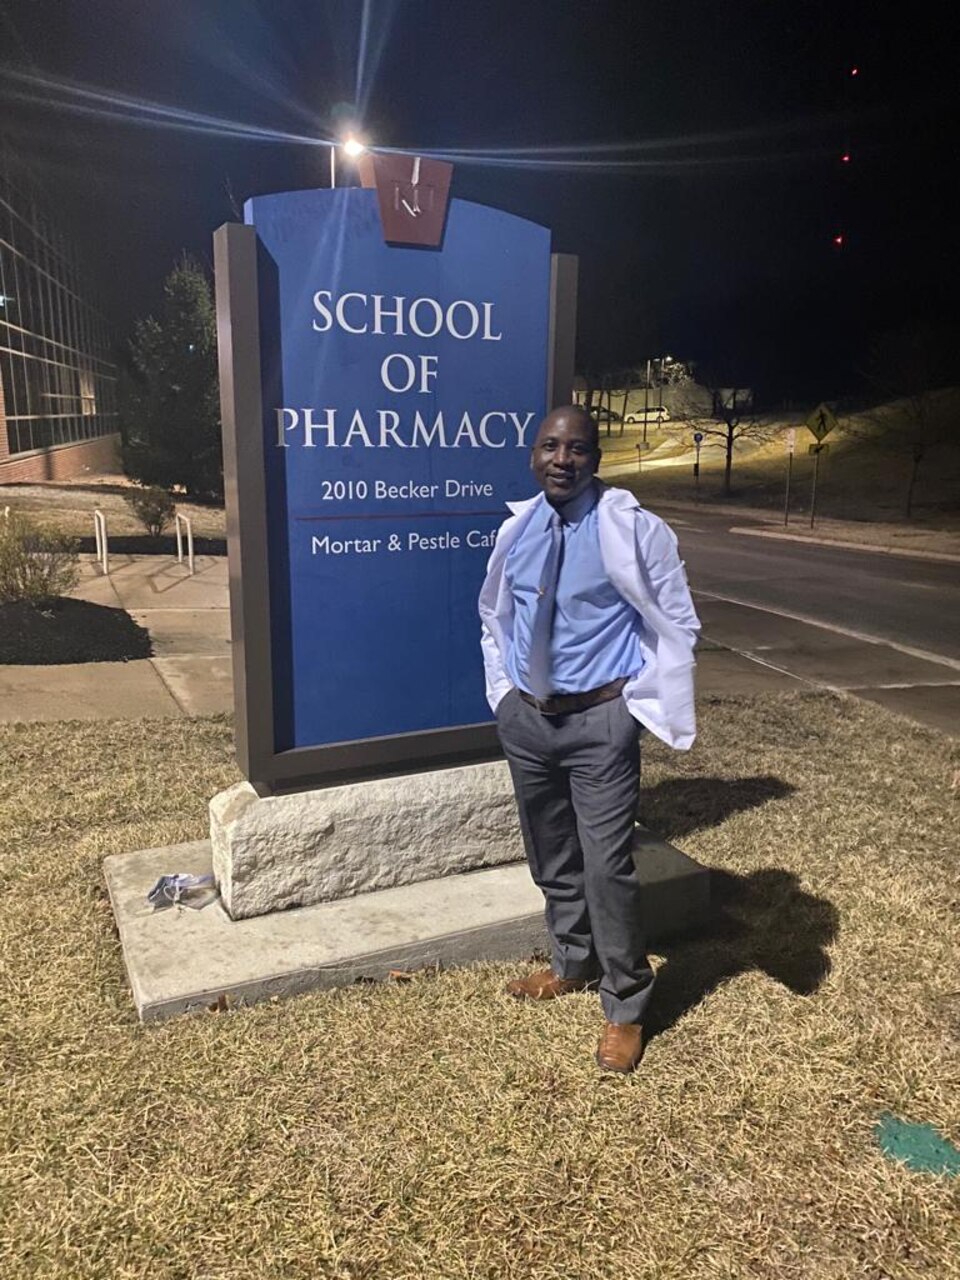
column 588, row 634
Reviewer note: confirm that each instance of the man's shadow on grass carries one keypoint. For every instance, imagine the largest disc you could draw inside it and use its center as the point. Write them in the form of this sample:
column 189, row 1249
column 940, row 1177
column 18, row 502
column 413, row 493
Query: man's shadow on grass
column 763, row 920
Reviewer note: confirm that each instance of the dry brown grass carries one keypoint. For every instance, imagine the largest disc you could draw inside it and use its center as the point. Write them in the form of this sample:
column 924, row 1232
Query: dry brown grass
column 436, row 1129
column 70, row 506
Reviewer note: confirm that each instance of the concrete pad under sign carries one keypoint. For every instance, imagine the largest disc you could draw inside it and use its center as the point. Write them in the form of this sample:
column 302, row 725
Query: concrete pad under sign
column 181, row 960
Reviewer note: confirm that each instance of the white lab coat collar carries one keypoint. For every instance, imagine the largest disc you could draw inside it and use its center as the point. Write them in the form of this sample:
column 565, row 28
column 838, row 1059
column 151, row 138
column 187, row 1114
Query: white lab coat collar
column 639, row 556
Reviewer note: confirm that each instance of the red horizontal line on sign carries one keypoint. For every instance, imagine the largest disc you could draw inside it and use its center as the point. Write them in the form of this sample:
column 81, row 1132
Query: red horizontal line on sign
column 401, row 515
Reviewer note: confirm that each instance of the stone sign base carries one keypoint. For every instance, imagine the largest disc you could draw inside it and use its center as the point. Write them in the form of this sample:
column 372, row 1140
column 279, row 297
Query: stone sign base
column 275, row 852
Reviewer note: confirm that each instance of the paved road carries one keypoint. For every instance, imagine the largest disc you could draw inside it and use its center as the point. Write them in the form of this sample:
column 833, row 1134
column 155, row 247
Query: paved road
column 907, row 602
column 884, row 628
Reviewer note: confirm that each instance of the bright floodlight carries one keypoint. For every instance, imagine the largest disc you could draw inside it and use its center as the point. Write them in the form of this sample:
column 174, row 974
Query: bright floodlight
column 354, row 148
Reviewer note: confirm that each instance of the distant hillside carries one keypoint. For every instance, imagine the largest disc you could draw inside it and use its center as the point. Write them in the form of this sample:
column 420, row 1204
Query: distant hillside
column 864, row 472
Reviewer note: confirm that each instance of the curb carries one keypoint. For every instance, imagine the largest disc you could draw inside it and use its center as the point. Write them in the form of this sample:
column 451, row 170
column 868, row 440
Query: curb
column 944, row 556
column 719, row 509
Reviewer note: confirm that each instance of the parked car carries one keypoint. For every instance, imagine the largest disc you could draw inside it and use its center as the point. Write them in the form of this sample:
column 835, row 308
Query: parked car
column 656, row 413
column 603, row 414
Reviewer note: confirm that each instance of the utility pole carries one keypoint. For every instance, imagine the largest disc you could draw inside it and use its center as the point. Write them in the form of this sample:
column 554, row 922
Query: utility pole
column 646, row 401
column 816, row 450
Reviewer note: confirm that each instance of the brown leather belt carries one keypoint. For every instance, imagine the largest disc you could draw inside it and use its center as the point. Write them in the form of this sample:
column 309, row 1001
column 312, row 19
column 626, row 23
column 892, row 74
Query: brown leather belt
column 561, row 704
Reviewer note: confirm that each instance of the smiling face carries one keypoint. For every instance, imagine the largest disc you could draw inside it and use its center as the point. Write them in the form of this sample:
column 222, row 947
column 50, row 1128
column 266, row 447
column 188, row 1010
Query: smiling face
column 565, row 454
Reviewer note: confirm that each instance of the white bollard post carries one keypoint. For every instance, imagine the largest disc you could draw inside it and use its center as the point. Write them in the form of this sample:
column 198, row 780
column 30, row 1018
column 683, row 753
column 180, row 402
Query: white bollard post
column 100, row 534
column 183, row 522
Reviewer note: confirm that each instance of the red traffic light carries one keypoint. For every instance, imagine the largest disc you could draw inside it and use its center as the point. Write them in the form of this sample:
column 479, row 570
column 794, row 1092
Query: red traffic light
column 838, row 240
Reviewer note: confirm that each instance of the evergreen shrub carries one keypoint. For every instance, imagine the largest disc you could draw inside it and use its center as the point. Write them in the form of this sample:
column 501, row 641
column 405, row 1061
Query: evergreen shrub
column 36, row 564
column 153, row 507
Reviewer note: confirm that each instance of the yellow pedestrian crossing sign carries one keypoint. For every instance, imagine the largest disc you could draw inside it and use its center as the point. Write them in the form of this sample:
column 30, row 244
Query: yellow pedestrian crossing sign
column 821, row 422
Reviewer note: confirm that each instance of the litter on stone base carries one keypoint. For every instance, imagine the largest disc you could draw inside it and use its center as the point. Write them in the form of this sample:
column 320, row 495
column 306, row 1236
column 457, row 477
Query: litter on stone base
column 182, row 890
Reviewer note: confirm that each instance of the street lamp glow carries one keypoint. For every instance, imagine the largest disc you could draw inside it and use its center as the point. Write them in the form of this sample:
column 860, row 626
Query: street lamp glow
column 352, row 147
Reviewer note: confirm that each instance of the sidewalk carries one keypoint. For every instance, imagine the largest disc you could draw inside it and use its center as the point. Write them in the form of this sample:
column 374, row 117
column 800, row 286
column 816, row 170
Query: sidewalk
column 189, row 622
column 743, row 651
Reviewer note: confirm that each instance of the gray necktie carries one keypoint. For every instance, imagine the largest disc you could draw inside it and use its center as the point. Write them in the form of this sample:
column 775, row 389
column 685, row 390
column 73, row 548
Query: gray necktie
column 539, row 666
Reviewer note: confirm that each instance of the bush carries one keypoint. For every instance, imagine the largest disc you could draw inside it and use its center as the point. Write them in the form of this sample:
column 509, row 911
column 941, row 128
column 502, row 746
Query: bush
column 169, row 393
column 153, row 507
column 36, row 565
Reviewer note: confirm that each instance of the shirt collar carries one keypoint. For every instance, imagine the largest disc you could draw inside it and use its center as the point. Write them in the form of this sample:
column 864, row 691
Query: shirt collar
column 574, row 511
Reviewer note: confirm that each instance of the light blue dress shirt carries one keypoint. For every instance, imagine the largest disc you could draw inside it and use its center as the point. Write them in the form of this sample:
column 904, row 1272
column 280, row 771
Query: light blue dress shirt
column 595, row 636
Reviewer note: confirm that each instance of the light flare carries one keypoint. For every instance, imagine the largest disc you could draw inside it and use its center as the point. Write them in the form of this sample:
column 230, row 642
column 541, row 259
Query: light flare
column 630, row 157
column 83, row 100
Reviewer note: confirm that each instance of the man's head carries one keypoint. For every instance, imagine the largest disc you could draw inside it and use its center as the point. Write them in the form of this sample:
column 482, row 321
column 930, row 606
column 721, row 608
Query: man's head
column 566, row 453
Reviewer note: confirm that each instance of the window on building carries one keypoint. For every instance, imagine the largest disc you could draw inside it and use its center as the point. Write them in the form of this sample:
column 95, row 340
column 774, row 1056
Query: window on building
column 55, row 374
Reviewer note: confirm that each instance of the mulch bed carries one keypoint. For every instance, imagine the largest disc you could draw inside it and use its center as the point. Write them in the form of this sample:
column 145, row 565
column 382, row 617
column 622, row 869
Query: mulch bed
column 142, row 544
column 69, row 631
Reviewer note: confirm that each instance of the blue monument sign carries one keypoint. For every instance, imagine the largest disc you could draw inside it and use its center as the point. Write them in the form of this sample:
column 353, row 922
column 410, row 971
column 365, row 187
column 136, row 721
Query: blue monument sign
column 370, row 450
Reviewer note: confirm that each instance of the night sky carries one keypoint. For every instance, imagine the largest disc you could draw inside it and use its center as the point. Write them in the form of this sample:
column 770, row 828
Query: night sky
column 713, row 241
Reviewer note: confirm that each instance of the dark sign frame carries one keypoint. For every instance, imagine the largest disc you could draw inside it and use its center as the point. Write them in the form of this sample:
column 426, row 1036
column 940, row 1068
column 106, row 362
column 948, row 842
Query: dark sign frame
column 236, row 253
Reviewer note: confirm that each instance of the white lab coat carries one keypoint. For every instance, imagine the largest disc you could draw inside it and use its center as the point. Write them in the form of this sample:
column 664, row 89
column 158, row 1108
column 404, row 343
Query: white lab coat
column 639, row 553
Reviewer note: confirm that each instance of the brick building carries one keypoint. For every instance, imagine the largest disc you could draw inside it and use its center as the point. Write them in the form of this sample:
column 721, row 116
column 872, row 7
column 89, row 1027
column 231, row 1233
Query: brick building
column 57, row 385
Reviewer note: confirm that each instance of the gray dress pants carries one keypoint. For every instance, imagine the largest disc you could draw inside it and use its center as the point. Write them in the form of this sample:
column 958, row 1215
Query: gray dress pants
column 577, row 780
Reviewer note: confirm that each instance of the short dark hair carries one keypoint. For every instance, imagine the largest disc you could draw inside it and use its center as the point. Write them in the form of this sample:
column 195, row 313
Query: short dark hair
column 583, row 413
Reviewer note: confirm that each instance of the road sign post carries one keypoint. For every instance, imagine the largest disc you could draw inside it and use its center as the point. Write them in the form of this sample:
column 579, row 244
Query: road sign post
column 697, row 441
column 816, row 450
column 791, row 445
column 820, row 423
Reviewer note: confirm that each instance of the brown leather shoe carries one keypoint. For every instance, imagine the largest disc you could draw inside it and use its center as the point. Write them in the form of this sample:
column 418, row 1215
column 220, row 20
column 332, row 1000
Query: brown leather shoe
column 544, row 985
column 621, row 1047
